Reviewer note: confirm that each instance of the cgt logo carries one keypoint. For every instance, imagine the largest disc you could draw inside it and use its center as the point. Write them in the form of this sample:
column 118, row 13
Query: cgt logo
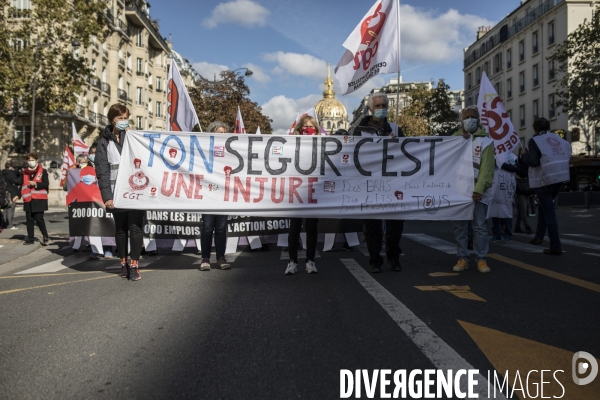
column 584, row 364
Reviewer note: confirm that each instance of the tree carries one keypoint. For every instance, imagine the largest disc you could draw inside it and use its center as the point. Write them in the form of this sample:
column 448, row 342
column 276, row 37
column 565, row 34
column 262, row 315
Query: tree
column 412, row 118
column 577, row 60
column 219, row 102
column 438, row 110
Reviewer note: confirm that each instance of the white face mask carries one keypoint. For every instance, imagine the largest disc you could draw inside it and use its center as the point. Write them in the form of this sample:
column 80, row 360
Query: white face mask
column 32, row 164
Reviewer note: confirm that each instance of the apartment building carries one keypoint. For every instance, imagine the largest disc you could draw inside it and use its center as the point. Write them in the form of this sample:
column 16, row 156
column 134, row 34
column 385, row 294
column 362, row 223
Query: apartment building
column 514, row 55
column 129, row 67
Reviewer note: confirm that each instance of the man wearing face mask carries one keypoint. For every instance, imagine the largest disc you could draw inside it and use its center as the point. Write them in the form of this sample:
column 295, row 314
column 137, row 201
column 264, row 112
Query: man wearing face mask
column 34, row 192
column 483, row 168
column 378, row 106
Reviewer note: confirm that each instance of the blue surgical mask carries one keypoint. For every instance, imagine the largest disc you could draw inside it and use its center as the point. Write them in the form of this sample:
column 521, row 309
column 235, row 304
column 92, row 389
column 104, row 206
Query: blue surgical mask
column 92, row 157
column 122, row 125
column 380, row 113
column 470, row 124
column 88, row 179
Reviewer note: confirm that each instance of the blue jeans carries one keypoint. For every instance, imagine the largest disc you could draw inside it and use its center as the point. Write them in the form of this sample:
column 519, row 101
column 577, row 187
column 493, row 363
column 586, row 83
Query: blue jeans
column 481, row 244
column 218, row 224
column 497, row 224
column 547, row 215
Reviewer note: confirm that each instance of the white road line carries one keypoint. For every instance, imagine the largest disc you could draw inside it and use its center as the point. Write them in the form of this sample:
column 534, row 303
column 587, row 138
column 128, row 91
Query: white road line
column 586, row 245
column 441, row 355
column 433, row 242
column 583, row 236
column 56, row 265
column 592, row 254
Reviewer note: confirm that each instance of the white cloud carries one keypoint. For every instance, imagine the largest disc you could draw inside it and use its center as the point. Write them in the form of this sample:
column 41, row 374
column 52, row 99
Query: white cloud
column 283, row 110
column 258, row 74
column 298, row 64
column 208, row 70
column 241, row 12
column 428, row 37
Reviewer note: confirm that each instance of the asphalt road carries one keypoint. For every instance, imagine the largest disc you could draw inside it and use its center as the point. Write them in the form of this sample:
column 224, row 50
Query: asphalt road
column 254, row 333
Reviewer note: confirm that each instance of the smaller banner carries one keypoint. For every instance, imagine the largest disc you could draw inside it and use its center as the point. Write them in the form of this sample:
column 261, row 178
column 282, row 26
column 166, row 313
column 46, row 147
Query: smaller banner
column 90, row 219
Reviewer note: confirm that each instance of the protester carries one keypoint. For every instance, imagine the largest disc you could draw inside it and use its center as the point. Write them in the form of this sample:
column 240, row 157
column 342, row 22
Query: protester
column 373, row 228
column 483, row 165
column 81, row 161
column 502, row 213
column 4, row 201
column 523, row 191
column 128, row 223
column 306, row 126
column 92, row 155
column 548, row 162
column 13, row 180
column 212, row 223
column 34, row 191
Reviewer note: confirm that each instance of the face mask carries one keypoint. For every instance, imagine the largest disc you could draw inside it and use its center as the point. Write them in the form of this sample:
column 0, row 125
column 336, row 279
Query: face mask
column 309, row 131
column 82, row 165
column 470, row 124
column 380, row 113
column 88, row 179
column 32, row 164
column 92, row 157
column 122, row 125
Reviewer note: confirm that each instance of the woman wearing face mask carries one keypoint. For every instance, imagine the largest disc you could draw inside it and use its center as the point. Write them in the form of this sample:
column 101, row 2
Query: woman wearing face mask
column 306, row 126
column 34, row 192
column 92, row 155
column 128, row 223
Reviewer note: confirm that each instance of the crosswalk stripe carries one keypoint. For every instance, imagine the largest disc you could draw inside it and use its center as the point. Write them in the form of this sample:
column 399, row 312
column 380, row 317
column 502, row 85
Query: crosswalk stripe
column 441, row 355
column 433, row 242
column 56, row 265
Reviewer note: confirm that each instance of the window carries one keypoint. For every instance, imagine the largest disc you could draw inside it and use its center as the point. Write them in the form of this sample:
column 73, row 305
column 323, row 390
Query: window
column 498, row 63
column 469, row 81
column 21, row 139
column 536, row 109
column 138, row 38
column 551, row 107
column 128, row 89
column 138, row 65
column 509, row 88
column 521, row 51
column 522, row 82
column 139, row 123
column 522, row 116
column 21, row 4
column 509, row 112
column 536, row 81
column 150, row 105
column 575, row 135
column 534, row 41
column 551, row 70
column 158, row 109
column 138, row 95
column 497, row 87
column 478, row 75
column 486, row 68
column 509, row 59
column 550, row 33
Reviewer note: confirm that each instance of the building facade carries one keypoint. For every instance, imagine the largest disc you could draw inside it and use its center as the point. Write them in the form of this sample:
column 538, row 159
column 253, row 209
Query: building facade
column 514, row 55
column 129, row 67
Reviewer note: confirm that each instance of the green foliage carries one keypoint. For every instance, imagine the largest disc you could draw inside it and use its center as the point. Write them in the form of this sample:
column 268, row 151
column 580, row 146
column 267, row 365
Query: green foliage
column 438, row 110
column 577, row 60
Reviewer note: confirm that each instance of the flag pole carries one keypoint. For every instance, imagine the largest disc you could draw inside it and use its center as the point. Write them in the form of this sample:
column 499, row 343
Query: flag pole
column 398, row 87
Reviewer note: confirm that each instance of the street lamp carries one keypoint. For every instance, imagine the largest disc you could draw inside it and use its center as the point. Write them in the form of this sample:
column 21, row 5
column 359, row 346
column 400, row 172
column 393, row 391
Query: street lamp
column 75, row 43
column 248, row 73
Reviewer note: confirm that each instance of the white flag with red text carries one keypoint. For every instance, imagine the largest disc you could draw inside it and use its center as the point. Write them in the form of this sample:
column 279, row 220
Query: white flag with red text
column 181, row 115
column 239, row 123
column 496, row 121
column 373, row 47
column 79, row 147
column 68, row 162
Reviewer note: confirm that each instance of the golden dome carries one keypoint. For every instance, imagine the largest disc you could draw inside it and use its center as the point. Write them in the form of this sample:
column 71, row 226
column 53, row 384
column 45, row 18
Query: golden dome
column 329, row 107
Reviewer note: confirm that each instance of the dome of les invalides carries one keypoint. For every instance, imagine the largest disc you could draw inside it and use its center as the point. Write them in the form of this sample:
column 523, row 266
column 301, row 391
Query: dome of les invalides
column 331, row 113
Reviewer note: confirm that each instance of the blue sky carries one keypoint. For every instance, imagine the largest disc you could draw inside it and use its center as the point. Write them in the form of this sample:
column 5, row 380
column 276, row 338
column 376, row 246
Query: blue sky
column 287, row 43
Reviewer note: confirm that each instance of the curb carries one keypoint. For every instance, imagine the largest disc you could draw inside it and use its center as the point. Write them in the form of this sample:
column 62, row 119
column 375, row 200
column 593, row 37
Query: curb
column 31, row 249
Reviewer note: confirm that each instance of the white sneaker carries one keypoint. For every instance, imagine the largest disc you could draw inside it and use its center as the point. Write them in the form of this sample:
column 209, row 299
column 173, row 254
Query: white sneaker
column 311, row 268
column 292, row 268
column 14, row 227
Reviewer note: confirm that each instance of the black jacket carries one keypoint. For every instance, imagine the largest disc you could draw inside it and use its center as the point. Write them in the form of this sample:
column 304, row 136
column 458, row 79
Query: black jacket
column 385, row 131
column 13, row 182
column 37, row 205
column 532, row 157
column 101, row 161
column 3, row 195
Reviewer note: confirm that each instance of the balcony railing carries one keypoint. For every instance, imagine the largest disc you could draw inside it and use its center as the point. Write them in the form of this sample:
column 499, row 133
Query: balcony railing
column 17, row 13
column 121, row 61
column 92, row 116
column 80, row 111
column 124, row 27
column 94, row 82
column 106, row 88
column 122, row 95
column 102, row 120
column 139, row 73
column 159, row 90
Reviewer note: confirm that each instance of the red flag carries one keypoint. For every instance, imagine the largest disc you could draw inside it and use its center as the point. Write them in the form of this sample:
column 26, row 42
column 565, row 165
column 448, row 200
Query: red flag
column 239, row 123
column 79, row 147
column 68, row 162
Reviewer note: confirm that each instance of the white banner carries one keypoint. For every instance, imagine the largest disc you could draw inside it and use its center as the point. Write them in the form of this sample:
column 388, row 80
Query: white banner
column 427, row 178
column 503, row 190
column 496, row 121
column 373, row 47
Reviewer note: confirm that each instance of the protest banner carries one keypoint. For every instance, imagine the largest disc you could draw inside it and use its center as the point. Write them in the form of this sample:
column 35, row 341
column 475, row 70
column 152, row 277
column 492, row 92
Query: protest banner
column 429, row 178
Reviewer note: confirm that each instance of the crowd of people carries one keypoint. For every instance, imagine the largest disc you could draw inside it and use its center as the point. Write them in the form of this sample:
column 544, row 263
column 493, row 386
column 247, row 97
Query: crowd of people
column 539, row 172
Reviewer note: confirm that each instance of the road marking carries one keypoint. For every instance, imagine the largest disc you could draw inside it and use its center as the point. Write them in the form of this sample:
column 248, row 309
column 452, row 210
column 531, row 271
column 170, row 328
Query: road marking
column 431, row 241
column 591, row 246
column 55, row 284
column 464, row 292
column 551, row 274
column 440, row 274
column 43, row 275
column 583, row 236
column 513, row 353
column 592, row 254
column 56, row 265
column 441, row 355
column 231, row 257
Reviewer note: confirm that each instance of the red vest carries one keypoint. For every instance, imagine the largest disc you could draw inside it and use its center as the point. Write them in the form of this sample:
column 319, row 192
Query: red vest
column 29, row 193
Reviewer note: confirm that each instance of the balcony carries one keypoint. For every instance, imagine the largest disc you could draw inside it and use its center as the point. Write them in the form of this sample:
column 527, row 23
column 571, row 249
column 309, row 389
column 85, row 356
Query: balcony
column 92, row 116
column 122, row 95
column 150, row 87
column 106, row 88
column 133, row 10
column 121, row 62
column 17, row 13
column 80, row 111
column 139, row 73
column 124, row 27
column 94, row 82
column 158, row 90
column 102, row 120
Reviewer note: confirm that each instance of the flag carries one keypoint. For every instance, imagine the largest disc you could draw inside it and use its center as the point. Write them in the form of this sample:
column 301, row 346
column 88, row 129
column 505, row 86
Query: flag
column 68, row 162
column 79, row 147
column 372, row 48
column 239, row 123
column 181, row 115
column 313, row 113
column 258, row 131
column 496, row 121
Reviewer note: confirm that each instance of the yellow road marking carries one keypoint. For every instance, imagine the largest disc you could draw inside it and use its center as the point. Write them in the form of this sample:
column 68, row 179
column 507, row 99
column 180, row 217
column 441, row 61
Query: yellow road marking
column 42, row 275
column 464, row 292
column 551, row 274
column 55, row 284
column 438, row 274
